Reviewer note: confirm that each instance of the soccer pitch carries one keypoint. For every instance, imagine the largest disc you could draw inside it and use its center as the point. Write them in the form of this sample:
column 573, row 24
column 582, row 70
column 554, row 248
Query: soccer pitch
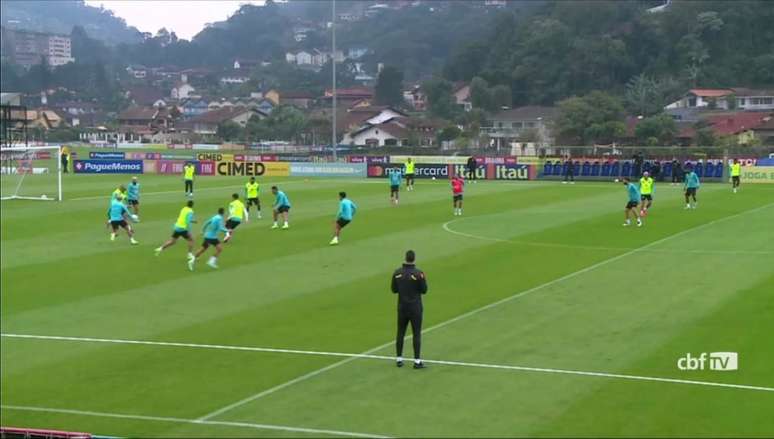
column 544, row 317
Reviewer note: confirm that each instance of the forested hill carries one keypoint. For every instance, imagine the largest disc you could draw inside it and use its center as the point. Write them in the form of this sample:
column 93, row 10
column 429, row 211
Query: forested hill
column 417, row 37
column 61, row 16
column 567, row 48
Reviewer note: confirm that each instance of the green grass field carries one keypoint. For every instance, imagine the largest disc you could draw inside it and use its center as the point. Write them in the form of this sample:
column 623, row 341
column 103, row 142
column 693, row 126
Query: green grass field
column 534, row 275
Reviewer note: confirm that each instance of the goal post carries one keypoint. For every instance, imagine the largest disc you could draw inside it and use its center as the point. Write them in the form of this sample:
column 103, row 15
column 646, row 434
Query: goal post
column 31, row 173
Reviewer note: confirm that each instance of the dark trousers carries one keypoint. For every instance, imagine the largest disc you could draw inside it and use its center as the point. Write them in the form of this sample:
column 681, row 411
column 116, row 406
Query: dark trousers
column 472, row 174
column 569, row 175
column 189, row 186
column 677, row 177
column 406, row 315
column 64, row 164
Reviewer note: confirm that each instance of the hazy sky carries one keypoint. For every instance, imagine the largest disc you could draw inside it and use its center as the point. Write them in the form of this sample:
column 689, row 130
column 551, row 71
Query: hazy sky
column 185, row 17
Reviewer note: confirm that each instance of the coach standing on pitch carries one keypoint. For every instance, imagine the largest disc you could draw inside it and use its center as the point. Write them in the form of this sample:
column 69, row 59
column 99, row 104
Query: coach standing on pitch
column 410, row 284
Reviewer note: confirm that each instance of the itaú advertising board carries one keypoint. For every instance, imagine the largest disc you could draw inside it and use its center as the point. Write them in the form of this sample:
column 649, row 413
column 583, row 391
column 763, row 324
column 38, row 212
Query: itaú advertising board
column 506, row 171
column 252, row 169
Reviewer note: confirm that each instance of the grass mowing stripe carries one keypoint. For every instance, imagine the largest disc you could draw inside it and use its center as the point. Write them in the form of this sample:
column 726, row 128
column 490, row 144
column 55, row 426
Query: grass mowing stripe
column 192, row 421
column 478, row 310
column 384, row 357
column 446, row 228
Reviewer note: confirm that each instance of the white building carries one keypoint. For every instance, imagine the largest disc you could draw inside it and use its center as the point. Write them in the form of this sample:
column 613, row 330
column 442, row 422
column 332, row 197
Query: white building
column 710, row 98
column 182, row 90
column 59, row 50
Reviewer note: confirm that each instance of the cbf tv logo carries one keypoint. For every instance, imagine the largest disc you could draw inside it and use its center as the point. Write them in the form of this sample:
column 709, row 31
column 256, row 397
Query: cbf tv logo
column 720, row 361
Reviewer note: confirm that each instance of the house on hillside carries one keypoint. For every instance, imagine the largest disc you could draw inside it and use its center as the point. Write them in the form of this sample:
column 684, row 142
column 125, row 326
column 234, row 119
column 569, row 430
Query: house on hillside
column 194, row 107
column 76, row 108
column 741, row 124
column 235, row 77
column 181, row 90
column 461, row 92
column 357, row 52
column 207, row 123
column 415, row 98
column 386, row 126
column 300, row 58
column 531, row 124
column 144, row 96
column 765, row 131
column 144, row 122
column 754, row 99
column 298, row 99
column 718, row 98
column 45, row 119
column 345, row 97
column 137, row 71
column 246, row 64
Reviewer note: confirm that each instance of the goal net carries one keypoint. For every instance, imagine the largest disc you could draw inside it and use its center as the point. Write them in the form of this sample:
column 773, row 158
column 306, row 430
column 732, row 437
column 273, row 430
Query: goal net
column 31, row 173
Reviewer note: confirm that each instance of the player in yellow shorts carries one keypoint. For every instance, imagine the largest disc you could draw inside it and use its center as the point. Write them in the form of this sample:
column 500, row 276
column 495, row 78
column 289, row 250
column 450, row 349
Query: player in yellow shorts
column 646, row 193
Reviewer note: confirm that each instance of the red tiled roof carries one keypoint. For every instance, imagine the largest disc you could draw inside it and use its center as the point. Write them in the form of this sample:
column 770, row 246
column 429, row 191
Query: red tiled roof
column 219, row 116
column 295, row 95
column 353, row 92
column 766, row 125
column 143, row 95
column 745, row 92
column 138, row 113
column 736, row 123
column 394, row 130
column 710, row 92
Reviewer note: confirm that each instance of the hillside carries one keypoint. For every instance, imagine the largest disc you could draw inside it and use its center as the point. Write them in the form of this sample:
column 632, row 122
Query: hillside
column 61, row 16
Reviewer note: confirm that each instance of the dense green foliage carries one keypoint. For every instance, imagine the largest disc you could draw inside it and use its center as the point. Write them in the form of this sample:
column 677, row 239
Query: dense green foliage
column 594, row 118
column 570, row 48
column 389, row 87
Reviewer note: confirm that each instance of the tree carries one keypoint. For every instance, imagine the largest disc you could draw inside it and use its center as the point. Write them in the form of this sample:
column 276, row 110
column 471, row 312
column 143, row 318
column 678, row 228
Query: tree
column 440, row 100
column 480, row 94
column 661, row 128
column 501, row 97
column 594, row 118
column 389, row 87
column 229, row 131
column 284, row 123
column 706, row 137
column 450, row 132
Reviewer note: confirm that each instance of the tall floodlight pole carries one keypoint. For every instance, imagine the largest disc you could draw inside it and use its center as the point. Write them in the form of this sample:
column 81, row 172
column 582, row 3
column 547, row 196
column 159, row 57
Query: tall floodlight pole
column 334, row 142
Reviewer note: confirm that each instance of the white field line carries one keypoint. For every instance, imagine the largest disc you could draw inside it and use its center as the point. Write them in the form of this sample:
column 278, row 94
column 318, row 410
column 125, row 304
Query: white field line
column 353, row 181
column 473, row 312
column 314, row 431
column 594, row 247
column 388, row 358
column 212, row 188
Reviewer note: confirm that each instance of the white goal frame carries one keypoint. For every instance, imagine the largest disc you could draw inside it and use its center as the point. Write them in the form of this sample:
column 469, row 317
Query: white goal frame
column 56, row 151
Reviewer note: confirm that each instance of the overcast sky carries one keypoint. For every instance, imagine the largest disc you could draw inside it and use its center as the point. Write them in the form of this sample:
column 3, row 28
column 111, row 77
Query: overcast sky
column 185, row 17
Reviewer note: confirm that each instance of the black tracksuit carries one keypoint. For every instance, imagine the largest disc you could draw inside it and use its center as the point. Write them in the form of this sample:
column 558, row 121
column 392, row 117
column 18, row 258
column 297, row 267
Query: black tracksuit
column 472, row 167
column 410, row 284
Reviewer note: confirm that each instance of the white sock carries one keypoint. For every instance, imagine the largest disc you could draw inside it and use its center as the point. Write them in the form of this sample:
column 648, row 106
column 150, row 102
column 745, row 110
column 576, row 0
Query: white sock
column 275, row 223
column 399, row 359
column 628, row 221
column 213, row 259
column 286, row 223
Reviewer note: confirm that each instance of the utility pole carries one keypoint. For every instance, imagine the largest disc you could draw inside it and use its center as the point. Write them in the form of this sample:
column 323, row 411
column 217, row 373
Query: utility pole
column 334, row 142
